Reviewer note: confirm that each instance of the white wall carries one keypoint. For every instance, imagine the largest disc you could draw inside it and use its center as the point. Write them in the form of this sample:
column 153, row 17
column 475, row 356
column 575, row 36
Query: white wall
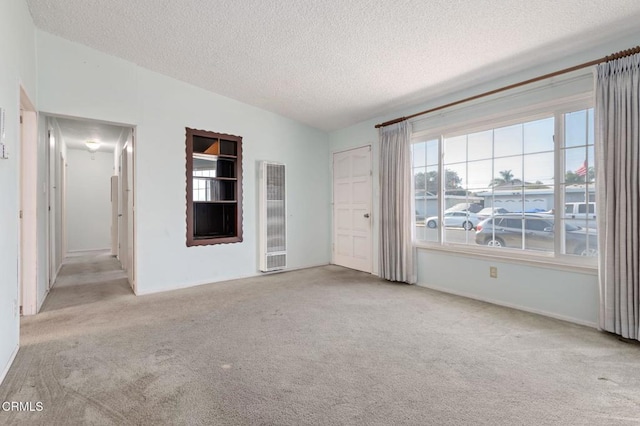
column 88, row 200
column 18, row 66
column 78, row 81
column 551, row 291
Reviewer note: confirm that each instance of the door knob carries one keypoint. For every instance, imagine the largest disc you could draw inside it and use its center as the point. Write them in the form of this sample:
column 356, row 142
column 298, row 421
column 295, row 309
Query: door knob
column 366, row 215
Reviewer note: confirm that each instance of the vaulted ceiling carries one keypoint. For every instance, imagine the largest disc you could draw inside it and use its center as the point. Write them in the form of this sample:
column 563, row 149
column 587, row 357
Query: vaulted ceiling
column 333, row 63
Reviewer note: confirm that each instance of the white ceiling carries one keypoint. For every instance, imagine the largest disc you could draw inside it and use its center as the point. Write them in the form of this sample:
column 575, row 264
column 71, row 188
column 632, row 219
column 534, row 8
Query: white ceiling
column 332, row 63
column 76, row 132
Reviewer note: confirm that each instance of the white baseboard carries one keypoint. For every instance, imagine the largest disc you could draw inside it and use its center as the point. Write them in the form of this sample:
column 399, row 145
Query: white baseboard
column 46, row 293
column 90, row 250
column 198, row 283
column 511, row 305
column 8, row 366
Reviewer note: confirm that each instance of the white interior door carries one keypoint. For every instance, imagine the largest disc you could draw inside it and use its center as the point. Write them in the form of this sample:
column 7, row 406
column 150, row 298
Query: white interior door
column 123, row 252
column 114, row 215
column 352, row 194
column 126, row 249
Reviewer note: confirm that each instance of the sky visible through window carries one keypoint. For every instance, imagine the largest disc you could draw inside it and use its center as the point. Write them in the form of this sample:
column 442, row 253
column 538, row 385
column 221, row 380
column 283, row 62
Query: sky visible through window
column 525, row 150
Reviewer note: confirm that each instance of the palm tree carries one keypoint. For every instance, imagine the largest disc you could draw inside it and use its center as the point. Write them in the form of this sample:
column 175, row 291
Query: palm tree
column 506, row 177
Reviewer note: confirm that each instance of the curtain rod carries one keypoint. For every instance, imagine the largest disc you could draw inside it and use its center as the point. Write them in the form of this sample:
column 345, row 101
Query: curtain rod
column 618, row 55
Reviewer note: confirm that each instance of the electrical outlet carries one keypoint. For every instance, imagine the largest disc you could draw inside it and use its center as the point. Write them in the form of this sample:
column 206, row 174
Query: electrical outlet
column 493, row 272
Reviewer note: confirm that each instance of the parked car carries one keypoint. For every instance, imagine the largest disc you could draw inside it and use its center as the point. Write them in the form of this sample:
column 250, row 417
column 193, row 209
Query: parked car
column 491, row 211
column 506, row 231
column 581, row 214
column 465, row 207
column 462, row 219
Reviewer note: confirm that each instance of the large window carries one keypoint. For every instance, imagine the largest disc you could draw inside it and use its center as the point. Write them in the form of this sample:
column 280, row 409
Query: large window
column 501, row 188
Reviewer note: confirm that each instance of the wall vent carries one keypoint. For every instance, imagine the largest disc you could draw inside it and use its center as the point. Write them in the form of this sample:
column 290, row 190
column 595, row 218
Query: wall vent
column 273, row 217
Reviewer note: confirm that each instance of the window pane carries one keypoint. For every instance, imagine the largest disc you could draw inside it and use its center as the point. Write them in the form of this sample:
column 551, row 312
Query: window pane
column 425, row 188
column 580, row 232
column 579, row 165
column 432, row 180
column 455, row 149
column 506, row 232
column 539, row 234
column 538, row 169
column 581, row 238
column 480, row 145
column 456, row 176
column 427, row 229
column 418, row 154
column 426, row 191
column 508, row 141
column 590, row 126
column 575, row 124
column 538, row 200
column 433, row 156
column 458, row 226
column 419, row 178
column 538, row 135
column 479, row 174
column 507, row 172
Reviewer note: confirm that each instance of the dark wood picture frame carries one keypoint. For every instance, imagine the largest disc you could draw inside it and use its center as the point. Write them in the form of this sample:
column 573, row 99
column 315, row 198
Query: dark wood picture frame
column 216, row 219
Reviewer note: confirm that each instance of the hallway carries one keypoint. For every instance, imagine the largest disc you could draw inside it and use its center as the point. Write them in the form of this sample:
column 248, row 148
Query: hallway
column 79, row 277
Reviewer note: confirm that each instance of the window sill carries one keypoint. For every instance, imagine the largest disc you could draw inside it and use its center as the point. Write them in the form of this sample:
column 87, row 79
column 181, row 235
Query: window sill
column 579, row 265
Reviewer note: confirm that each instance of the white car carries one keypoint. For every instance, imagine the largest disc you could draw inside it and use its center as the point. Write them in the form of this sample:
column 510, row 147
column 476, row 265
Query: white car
column 465, row 220
column 491, row 211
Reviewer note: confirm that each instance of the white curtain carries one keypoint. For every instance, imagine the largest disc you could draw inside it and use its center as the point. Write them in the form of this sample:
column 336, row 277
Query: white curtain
column 396, row 200
column 618, row 207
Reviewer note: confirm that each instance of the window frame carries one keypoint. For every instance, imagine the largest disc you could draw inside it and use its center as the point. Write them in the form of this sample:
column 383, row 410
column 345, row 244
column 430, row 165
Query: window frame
column 555, row 108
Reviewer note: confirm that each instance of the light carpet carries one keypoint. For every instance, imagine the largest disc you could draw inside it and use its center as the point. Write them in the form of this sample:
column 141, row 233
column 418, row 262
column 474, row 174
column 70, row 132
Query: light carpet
column 322, row 346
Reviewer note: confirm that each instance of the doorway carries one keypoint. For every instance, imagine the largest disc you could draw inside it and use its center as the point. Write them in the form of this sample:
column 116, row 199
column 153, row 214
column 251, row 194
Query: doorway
column 92, row 195
column 352, row 200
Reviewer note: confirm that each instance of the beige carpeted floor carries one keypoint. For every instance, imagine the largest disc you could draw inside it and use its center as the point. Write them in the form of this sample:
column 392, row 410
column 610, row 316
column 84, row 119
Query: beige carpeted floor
column 323, row 346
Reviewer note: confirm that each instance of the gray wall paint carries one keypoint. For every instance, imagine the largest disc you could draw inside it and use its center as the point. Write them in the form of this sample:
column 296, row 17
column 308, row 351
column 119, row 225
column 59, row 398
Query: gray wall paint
column 88, row 200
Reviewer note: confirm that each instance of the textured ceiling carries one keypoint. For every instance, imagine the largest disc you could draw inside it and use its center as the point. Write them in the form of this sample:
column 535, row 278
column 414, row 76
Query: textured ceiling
column 76, row 132
column 333, row 63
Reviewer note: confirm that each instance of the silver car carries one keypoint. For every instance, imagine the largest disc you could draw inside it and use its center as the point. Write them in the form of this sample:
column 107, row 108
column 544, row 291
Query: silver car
column 538, row 234
column 461, row 219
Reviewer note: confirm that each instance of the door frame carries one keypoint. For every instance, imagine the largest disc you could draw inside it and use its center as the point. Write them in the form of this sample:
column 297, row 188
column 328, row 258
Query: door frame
column 372, row 265
column 62, row 164
column 27, row 209
column 126, row 208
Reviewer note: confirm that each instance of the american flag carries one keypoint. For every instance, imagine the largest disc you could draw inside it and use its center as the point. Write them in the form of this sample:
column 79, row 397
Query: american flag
column 582, row 170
